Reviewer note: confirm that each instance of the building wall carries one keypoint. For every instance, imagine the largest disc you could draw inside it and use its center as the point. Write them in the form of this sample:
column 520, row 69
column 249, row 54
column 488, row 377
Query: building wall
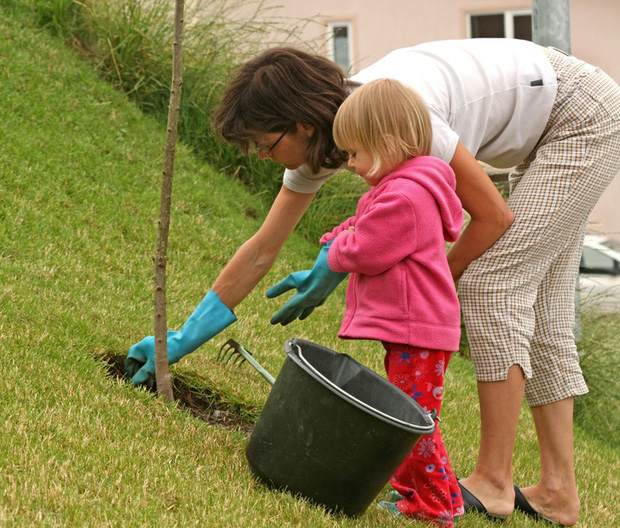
column 595, row 38
column 381, row 26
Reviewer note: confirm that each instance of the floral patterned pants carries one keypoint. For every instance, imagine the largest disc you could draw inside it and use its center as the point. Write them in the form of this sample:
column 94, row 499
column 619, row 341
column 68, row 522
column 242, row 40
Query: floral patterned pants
column 424, row 479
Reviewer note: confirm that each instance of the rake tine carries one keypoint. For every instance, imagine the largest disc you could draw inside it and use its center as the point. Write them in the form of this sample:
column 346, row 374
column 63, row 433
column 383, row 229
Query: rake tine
column 226, row 352
column 238, row 359
column 242, row 354
column 222, row 353
column 229, row 354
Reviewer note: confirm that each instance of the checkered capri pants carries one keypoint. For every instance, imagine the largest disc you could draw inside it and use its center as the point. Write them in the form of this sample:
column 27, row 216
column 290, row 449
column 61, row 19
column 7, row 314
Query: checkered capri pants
column 518, row 298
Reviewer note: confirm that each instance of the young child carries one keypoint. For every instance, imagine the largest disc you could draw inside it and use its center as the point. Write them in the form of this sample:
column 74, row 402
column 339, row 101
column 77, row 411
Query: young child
column 400, row 291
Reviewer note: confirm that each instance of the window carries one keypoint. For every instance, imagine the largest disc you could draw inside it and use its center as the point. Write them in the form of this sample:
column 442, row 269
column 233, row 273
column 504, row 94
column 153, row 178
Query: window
column 339, row 44
column 500, row 24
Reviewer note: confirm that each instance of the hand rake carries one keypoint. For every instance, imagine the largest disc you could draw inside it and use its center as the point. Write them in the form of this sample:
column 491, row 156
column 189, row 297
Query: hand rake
column 233, row 352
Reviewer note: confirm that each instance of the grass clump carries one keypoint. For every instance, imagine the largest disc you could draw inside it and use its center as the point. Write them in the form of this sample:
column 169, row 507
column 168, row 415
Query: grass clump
column 130, row 44
column 596, row 412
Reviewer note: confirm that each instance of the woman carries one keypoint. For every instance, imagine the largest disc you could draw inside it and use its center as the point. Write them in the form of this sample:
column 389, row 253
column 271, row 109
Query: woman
column 502, row 101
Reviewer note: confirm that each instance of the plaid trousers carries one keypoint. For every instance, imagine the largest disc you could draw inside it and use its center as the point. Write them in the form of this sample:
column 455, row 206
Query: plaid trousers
column 518, row 297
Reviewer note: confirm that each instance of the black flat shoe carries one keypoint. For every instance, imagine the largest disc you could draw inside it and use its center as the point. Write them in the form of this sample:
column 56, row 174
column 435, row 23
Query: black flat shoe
column 472, row 504
column 522, row 504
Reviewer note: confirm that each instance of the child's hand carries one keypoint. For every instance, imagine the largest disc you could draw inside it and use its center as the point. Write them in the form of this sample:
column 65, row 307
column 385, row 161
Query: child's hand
column 352, row 228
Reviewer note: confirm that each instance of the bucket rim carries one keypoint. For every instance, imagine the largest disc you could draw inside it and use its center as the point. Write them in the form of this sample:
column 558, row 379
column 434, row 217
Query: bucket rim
column 300, row 360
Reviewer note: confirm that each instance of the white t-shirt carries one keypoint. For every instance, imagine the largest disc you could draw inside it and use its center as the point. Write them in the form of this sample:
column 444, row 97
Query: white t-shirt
column 494, row 95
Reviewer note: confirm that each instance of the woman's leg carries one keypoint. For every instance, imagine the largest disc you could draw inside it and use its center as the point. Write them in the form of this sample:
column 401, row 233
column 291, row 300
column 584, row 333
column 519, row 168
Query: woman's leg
column 500, row 404
column 425, row 478
column 555, row 363
column 555, row 496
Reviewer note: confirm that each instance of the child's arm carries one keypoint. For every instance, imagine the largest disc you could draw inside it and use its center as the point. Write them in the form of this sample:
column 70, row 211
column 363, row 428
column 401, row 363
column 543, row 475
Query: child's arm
column 383, row 236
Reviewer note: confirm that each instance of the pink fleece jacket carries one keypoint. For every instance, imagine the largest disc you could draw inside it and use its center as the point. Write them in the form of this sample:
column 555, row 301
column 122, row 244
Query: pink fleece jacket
column 401, row 289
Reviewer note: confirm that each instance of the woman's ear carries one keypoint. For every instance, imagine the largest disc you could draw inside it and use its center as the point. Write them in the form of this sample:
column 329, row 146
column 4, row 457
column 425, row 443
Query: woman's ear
column 308, row 130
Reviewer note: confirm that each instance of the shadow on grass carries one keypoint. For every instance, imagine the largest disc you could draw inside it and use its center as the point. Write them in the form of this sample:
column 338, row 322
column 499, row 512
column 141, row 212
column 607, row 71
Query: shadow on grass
column 190, row 395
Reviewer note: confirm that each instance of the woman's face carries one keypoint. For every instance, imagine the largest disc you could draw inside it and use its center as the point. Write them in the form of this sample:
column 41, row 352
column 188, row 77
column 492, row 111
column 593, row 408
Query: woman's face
column 288, row 149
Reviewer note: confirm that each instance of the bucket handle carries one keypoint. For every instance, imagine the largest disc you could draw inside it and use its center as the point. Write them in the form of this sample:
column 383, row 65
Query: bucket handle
column 360, row 403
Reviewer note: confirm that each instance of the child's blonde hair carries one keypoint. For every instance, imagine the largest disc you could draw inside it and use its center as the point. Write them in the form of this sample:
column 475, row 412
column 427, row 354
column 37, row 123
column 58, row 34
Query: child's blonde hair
column 387, row 119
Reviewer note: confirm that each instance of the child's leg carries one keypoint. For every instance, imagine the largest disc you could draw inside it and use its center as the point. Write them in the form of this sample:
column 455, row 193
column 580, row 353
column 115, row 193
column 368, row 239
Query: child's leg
column 425, row 478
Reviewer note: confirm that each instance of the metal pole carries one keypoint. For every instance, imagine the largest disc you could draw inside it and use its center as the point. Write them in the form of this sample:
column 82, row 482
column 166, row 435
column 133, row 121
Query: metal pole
column 551, row 23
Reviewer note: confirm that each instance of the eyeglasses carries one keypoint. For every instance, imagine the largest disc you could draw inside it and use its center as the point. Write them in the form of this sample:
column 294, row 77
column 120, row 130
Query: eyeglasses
column 270, row 149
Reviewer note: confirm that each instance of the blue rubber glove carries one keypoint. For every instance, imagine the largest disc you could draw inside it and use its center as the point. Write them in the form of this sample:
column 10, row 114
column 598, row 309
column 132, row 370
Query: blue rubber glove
column 313, row 288
column 209, row 319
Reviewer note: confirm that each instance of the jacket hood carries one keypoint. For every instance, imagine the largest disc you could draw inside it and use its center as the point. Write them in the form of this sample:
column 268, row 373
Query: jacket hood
column 438, row 178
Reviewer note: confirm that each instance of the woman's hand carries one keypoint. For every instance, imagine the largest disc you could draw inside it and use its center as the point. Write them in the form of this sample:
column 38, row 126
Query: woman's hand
column 209, row 318
column 313, row 288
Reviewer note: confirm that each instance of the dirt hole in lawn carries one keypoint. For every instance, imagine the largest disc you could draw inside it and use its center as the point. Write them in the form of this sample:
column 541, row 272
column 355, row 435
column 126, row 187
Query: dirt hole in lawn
column 203, row 403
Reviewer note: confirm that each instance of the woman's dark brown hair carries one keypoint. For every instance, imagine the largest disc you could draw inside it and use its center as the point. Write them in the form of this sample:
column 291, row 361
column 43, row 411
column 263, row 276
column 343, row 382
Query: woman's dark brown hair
column 279, row 88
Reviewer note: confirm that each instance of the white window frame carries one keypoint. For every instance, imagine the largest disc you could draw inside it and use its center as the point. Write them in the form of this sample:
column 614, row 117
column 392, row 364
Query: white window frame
column 329, row 36
column 509, row 14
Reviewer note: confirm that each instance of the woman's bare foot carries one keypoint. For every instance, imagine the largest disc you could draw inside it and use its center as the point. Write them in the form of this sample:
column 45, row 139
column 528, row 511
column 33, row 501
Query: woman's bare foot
column 498, row 500
column 558, row 505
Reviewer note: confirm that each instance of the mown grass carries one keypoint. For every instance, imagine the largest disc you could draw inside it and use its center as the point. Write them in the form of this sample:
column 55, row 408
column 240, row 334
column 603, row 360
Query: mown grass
column 79, row 195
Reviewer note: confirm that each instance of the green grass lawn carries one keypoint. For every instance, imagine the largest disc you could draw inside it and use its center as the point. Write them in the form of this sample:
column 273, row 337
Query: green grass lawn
column 79, row 198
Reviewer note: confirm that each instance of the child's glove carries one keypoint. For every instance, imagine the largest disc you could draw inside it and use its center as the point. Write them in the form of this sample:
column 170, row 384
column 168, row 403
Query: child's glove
column 313, row 288
column 209, row 319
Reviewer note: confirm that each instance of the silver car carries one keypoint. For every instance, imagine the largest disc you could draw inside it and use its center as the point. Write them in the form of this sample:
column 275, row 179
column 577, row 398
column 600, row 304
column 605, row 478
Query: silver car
column 599, row 274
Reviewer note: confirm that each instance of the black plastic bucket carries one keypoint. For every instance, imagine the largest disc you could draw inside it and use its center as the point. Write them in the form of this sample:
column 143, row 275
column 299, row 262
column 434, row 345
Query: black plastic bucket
column 333, row 430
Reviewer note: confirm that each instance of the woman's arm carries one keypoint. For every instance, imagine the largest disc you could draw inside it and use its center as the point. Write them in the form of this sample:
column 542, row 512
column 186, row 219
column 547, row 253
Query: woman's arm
column 490, row 216
column 251, row 262
column 256, row 256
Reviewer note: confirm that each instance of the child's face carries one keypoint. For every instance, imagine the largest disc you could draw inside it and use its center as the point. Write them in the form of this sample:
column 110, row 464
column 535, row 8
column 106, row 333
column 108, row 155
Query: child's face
column 361, row 161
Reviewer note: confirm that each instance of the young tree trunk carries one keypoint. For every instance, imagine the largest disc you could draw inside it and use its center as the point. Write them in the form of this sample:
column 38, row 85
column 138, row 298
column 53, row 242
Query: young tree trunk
column 162, row 370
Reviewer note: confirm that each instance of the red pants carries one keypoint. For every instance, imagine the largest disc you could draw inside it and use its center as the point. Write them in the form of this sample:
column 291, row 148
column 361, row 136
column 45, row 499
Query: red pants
column 424, row 479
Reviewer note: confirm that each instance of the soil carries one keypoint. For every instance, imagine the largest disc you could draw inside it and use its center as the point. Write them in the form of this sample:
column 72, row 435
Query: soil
column 204, row 404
